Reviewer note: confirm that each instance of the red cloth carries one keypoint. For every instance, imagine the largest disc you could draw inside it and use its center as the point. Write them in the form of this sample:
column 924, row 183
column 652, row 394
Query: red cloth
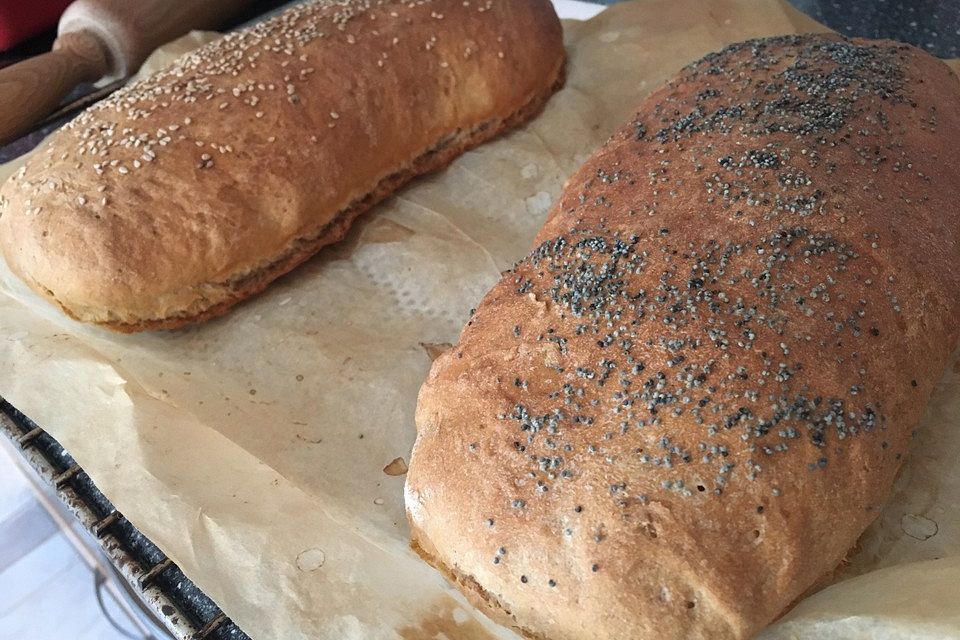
column 23, row 19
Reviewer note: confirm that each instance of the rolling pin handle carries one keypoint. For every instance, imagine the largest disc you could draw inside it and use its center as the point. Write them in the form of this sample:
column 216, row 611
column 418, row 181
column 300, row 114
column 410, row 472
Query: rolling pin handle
column 88, row 51
column 33, row 89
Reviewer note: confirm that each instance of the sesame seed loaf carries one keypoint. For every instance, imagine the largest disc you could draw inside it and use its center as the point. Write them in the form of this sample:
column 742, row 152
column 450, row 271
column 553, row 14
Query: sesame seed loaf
column 193, row 189
column 685, row 405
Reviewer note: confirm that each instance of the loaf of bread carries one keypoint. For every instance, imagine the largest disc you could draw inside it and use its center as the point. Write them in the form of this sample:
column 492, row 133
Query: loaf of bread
column 187, row 192
column 682, row 408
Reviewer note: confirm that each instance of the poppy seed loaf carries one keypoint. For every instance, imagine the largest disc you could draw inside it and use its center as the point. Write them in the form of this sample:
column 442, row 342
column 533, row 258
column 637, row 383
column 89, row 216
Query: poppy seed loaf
column 683, row 407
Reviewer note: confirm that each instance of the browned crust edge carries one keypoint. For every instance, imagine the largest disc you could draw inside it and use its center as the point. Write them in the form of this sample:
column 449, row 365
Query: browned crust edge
column 304, row 248
column 480, row 598
column 493, row 608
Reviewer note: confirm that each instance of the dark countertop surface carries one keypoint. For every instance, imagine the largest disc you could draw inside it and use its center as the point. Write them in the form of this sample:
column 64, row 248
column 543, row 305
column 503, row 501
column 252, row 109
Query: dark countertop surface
column 931, row 24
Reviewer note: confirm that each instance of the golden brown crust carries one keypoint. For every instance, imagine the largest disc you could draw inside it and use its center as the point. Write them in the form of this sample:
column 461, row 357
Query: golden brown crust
column 304, row 249
column 185, row 193
column 685, row 405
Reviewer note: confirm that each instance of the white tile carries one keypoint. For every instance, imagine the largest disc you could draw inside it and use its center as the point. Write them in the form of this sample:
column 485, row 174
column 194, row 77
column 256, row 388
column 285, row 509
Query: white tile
column 63, row 606
column 47, row 593
column 19, row 580
column 576, row 10
column 102, row 630
column 15, row 491
column 22, row 531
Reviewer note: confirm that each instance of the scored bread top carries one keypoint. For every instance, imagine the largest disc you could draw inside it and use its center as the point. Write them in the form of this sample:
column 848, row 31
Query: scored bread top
column 164, row 199
column 684, row 406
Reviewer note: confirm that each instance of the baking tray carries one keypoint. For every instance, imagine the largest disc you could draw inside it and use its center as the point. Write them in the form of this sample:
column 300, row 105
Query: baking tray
column 183, row 608
column 186, row 612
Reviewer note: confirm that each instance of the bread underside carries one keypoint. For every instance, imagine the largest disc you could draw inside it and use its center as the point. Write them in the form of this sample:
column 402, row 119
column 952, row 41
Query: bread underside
column 681, row 409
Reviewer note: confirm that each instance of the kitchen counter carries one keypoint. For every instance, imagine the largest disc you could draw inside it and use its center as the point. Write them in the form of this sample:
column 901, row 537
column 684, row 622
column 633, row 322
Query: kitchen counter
column 931, row 24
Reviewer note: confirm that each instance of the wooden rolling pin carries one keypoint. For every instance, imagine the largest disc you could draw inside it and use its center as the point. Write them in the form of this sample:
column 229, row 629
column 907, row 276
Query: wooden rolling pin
column 98, row 39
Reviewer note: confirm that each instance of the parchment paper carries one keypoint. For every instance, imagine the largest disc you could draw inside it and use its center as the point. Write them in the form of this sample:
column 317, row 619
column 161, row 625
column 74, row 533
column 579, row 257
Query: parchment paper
column 252, row 450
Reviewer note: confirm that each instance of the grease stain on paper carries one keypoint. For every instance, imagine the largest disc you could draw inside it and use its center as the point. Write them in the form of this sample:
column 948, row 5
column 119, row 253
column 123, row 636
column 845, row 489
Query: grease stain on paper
column 539, row 203
column 311, row 559
column 447, row 620
column 397, row 467
column 436, row 349
column 530, row 171
column 918, row 527
column 383, row 230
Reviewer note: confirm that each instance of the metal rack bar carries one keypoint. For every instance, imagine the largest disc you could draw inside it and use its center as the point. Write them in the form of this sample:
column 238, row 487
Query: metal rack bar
column 158, row 582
